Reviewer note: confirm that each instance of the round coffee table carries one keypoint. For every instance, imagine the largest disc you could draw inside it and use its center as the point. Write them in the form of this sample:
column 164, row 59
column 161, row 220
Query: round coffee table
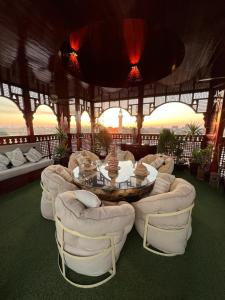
column 124, row 185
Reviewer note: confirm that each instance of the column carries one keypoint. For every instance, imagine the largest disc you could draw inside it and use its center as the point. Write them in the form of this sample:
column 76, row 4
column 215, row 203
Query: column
column 140, row 113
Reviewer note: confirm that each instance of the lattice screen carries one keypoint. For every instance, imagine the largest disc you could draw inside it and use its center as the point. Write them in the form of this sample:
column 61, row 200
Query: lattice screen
column 130, row 105
column 14, row 93
column 83, row 106
column 198, row 101
column 37, row 99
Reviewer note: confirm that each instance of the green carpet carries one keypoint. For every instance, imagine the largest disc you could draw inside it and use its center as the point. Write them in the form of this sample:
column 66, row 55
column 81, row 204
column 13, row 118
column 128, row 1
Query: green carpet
column 28, row 256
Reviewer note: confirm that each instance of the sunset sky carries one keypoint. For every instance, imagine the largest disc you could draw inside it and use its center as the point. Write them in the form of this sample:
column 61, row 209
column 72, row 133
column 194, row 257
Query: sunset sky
column 166, row 115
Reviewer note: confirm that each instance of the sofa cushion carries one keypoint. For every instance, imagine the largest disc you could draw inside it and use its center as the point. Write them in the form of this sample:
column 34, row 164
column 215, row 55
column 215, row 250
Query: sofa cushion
column 16, row 157
column 25, row 168
column 33, row 155
column 4, row 159
column 2, row 167
column 87, row 198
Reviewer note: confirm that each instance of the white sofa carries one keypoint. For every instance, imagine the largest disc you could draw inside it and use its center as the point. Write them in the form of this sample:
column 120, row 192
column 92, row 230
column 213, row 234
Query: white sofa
column 11, row 178
column 93, row 237
column 164, row 220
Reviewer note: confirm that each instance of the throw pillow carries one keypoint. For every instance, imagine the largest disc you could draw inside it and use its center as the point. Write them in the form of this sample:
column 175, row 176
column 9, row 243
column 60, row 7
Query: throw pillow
column 87, row 198
column 64, row 173
column 33, row 155
column 161, row 186
column 2, row 167
column 4, row 159
column 16, row 157
column 157, row 163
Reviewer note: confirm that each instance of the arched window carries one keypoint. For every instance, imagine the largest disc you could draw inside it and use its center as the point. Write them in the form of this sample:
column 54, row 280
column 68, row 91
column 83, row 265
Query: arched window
column 73, row 126
column 45, row 121
column 174, row 116
column 118, row 120
column 85, row 123
column 11, row 119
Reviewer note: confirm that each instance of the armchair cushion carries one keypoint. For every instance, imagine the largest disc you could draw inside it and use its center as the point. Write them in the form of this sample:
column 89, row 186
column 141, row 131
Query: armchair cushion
column 162, row 183
column 64, row 173
column 157, row 163
column 87, row 198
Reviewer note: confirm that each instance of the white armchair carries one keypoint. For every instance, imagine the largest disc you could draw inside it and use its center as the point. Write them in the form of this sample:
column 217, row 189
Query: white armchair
column 163, row 163
column 122, row 155
column 78, row 155
column 164, row 220
column 90, row 239
column 55, row 179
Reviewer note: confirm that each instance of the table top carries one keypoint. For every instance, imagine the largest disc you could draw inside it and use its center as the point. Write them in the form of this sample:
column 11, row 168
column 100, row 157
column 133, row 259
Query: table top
column 101, row 182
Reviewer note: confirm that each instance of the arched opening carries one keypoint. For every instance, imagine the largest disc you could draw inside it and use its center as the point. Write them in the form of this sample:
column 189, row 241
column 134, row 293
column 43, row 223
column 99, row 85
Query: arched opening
column 174, row 116
column 85, row 123
column 118, row 120
column 45, row 121
column 73, row 125
column 11, row 119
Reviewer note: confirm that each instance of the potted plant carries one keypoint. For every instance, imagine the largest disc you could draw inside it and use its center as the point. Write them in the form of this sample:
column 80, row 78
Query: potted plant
column 167, row 142
column 61, row 151
column 193, row 129
column 102, row 141
column 200, row 162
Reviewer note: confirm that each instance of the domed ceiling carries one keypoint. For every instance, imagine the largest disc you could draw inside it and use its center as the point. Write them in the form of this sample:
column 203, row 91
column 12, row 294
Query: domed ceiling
column 118, row 54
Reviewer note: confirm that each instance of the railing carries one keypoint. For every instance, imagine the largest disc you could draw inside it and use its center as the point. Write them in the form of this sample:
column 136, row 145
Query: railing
column 48, row 143
column 187, row 143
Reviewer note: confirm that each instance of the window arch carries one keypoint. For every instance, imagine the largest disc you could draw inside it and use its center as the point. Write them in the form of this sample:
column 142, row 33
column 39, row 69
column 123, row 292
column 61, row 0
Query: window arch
column 174, row 116
column 44, row 121
column 85, row 123
column 73, row 125
column 11, row 119
column 118, row 120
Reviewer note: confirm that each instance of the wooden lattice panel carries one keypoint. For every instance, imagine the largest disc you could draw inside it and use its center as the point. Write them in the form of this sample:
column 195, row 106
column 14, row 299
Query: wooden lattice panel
column 82, row 106
column 197, row 101
column 130, row 105
column 37, row 99
column 13, row 93
column 222, row 159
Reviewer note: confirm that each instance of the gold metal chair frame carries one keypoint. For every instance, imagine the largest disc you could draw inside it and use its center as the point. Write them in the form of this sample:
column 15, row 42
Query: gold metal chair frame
column 147, row 225
column 63, row 252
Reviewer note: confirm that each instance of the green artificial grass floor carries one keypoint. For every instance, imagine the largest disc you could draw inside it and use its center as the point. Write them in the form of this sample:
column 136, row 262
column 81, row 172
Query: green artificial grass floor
column 28, row 255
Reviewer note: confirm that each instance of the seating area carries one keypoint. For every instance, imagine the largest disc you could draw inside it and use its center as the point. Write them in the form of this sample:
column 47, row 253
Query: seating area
column 112, row 150
column 32, row 266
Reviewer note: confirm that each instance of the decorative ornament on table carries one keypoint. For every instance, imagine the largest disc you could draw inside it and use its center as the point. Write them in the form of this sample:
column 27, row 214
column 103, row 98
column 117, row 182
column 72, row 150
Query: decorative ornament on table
column 112, row 166
column 141, row 170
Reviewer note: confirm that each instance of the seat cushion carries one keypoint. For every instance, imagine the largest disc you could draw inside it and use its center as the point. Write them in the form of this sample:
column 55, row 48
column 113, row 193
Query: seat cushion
column 25, row 168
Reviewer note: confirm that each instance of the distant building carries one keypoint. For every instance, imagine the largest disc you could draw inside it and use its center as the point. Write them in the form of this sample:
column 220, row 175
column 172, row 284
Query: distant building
column 120, row 119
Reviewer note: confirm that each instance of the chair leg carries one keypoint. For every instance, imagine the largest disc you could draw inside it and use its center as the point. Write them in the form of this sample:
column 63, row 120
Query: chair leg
column 112, row 273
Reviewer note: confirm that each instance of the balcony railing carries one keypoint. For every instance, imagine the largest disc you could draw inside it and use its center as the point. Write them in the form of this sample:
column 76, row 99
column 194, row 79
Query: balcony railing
column 48, row 143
